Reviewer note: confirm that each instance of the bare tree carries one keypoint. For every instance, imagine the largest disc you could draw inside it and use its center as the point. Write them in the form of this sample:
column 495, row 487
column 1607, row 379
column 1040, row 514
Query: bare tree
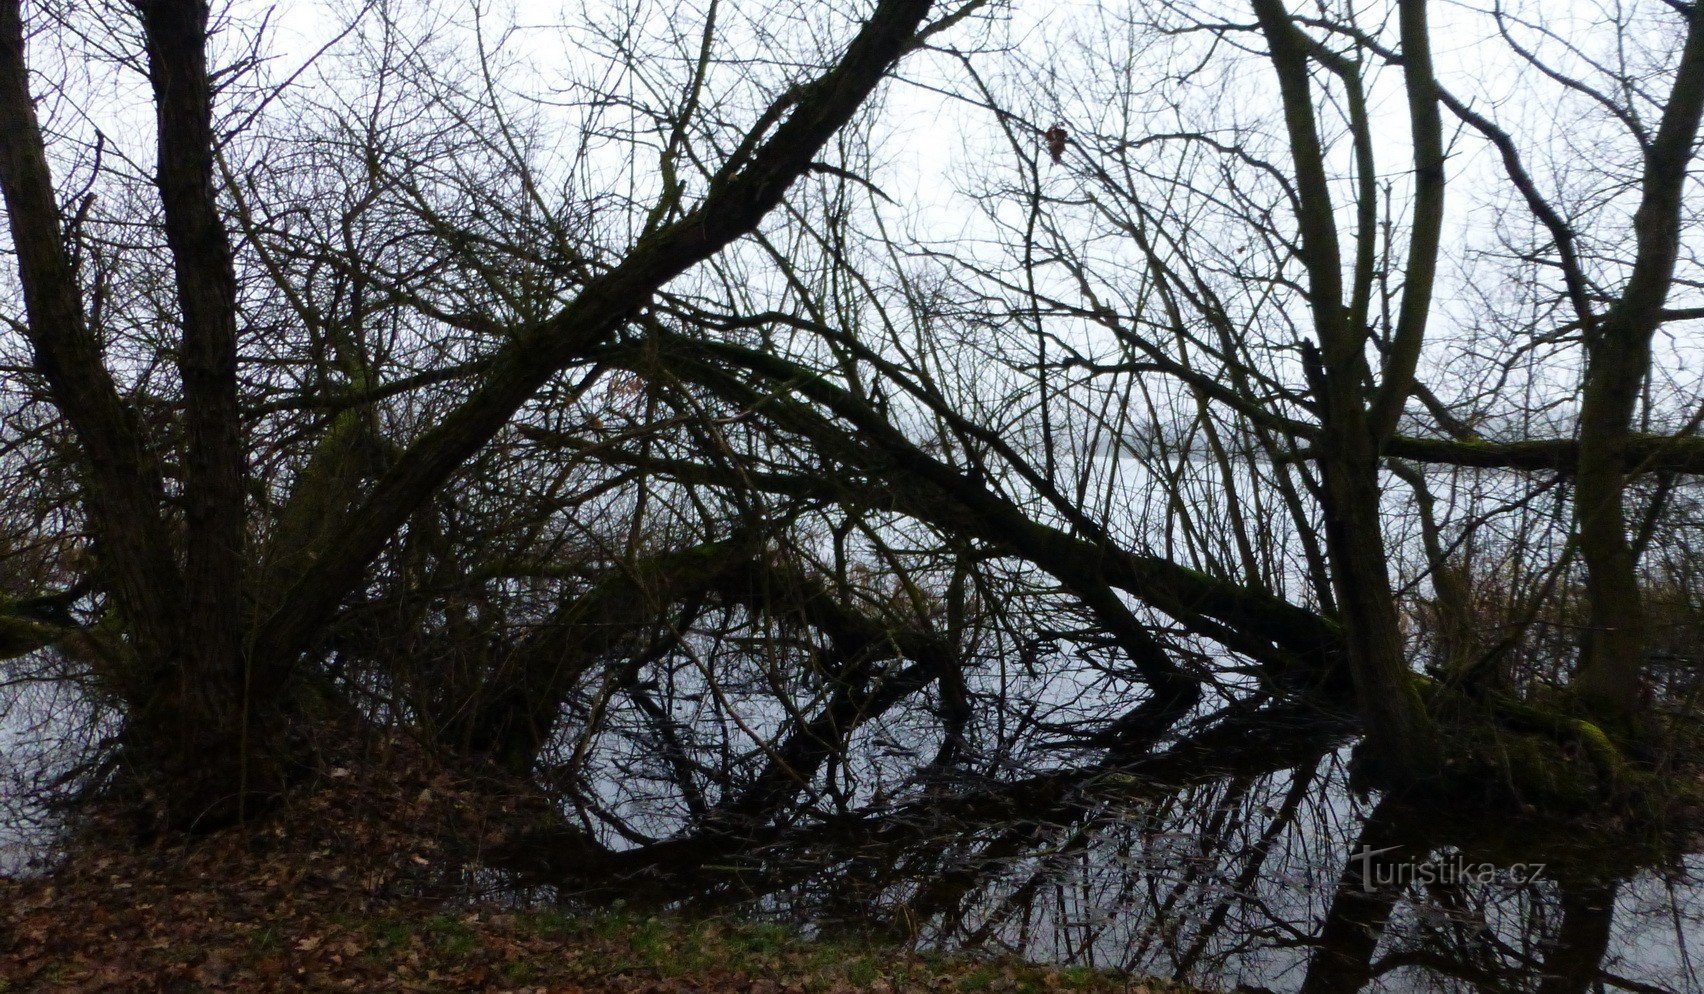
column 211, row 662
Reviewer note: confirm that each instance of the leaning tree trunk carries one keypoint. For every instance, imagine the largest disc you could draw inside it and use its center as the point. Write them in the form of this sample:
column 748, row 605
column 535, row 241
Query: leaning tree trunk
column 214, row 637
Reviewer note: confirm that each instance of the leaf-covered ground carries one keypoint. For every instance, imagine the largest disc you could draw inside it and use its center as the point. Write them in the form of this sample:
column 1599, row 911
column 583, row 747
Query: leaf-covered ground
column 150, row 948
column 350, row 887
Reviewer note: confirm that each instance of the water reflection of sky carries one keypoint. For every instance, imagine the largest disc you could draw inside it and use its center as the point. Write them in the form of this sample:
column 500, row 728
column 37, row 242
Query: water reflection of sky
column 1225, row 882
column 1229, row 884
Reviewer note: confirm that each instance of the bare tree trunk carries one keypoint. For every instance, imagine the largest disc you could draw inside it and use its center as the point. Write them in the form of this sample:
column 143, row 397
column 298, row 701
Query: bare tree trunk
column 183, row 687
column 1618, row 358
column 1400, row 732
column 206, row 703
column 217, row 721
column 122, row 489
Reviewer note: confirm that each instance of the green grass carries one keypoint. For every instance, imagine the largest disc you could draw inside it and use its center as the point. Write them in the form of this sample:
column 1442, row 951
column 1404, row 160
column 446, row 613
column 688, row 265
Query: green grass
column 612, row 943
column 862, row 972
column 265, row 940
column 473, row 950
column 451, row 936
column 391, row 935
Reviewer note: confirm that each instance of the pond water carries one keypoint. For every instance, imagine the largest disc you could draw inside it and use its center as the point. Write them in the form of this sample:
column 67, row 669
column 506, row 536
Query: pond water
column 1276, row 881
column 1250, row 864
column 1251, row 886
column 1234, row 856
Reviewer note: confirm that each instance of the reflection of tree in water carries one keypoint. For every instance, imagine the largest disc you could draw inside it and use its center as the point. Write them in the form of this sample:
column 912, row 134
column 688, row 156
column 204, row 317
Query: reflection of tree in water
column 1257, row 878
column 626, row 429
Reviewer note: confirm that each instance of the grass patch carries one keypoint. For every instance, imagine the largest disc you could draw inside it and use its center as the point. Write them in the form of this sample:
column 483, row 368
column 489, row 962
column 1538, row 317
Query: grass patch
column 427, row 947
column 390, row 936
column 862, row 972
column 451, row 936
column 723, row 953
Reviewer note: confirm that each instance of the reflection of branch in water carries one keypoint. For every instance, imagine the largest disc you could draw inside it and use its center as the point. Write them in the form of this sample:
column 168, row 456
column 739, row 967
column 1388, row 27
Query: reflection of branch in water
column 1470, row 949
column 1360, row 907
column 1301, row 784
column 1574, row 957
column 1212, row 836
column 763, row 859
column 1021, row 899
